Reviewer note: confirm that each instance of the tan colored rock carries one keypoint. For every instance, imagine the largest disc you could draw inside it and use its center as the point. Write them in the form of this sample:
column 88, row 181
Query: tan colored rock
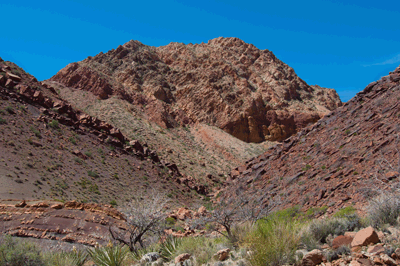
column 40, row 205
column 376, row 250
column 182, row 258
column 57, row 206
column 13, row 77
column 202, row 210
column 341, row 241
column 222, row 254
column 387, row 260
column 350, row 234
column 365, row 237
column 312, row 258
column 21, row 204
column 355, row 263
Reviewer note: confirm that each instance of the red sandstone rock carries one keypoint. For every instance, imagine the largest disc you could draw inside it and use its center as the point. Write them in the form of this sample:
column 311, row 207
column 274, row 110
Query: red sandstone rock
column 312, row 258
column 365, row 237
column 341, row 241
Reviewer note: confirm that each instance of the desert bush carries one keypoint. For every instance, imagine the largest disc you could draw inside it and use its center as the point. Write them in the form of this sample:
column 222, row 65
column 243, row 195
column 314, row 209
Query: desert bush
column 169, row 247
column 73, row 258
column 201, row 248
column 54, row 124
column 342, row 213
column 384, row 209
column 14, row 252
column 317, row 231
column 111, row 255
column 274, row 241
column 332, row 255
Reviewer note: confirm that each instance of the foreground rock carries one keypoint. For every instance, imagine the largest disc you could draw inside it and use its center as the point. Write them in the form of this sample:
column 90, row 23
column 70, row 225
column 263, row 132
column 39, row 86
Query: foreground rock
column 365, row 237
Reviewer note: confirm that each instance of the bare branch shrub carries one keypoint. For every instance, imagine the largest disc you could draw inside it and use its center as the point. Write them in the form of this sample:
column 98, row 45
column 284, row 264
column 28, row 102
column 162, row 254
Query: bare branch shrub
column 145, row 218
column 236, row 209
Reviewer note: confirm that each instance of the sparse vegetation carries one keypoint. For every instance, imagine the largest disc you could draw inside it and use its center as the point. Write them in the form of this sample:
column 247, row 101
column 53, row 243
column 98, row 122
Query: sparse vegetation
column 53, row 124
column 111, row 255
column 384, row 209
column 93, row 174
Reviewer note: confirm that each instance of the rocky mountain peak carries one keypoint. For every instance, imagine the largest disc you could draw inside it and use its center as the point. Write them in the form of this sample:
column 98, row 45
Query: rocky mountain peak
column 226, row 82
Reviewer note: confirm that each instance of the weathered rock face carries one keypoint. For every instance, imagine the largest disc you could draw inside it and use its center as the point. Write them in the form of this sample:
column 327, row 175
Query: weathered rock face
column 345, row 158
column 228, row 83
column 73, row 222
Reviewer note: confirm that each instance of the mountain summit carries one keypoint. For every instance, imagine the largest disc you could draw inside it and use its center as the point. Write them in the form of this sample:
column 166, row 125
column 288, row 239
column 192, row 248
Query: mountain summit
column 226, row 83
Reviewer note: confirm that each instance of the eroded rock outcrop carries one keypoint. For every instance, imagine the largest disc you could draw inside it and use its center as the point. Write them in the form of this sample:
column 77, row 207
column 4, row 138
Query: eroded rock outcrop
column 343, row 159
column 226, row 82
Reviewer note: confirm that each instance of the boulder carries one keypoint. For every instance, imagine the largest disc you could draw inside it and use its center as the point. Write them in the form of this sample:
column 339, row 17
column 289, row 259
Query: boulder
column 312, row 258
column 40, row 205
column 21, row 204
column 365, row 237
column 150, row 257
column 222, row 254
column 57, row 206
column 182, row 258
column 376, row 250
column 13, row 77
column 341, row 241
column 387, row 260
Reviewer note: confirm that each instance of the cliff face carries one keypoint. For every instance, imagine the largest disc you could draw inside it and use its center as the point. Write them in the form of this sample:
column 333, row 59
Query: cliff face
column 226, row 82
column 345, row 158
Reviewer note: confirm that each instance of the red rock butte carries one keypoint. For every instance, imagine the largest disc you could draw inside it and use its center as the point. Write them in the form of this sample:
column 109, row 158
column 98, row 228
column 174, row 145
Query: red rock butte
column 226, row 82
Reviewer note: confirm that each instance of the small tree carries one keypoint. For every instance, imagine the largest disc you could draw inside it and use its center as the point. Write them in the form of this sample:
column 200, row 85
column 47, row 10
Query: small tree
column 235, row 210
column 144, row 218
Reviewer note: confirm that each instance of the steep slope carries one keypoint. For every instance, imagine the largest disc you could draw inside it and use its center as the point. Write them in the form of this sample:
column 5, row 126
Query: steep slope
column 227, row 83
column 345, row 158
column 49, row 150
column 206, row 107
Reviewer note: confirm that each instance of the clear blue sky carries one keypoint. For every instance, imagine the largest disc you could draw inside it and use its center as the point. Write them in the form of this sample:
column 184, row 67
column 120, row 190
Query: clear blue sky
column 337, row 44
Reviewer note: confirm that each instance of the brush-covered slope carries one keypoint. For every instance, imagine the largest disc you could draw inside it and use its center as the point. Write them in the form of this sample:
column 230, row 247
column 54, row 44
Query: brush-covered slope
column 227, row 83
column 345, row 158
column 50, row 150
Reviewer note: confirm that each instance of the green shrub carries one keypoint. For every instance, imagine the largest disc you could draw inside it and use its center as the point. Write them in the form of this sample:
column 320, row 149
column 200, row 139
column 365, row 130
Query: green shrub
column 113, row 203
column 319, row 230
column 345, row 212
column 93, row 174
column 72, row 140
column 169, row 247
column 37, row 132
column 54, row 124
column 73, row 258
column 109, row 255
column 384, row 209
column 170, row 221
column 274, row 241
column 10, row 110
column 201, row 248
column 3, row 121
column 14, row 252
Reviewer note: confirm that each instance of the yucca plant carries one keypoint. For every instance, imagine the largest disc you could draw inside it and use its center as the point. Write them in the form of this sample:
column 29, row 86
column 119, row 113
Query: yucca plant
column 78, row 257
column 109, row 256
column 169, row 247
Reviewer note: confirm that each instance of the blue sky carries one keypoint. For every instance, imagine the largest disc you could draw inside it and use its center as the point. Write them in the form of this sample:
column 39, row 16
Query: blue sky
column 343, row 45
